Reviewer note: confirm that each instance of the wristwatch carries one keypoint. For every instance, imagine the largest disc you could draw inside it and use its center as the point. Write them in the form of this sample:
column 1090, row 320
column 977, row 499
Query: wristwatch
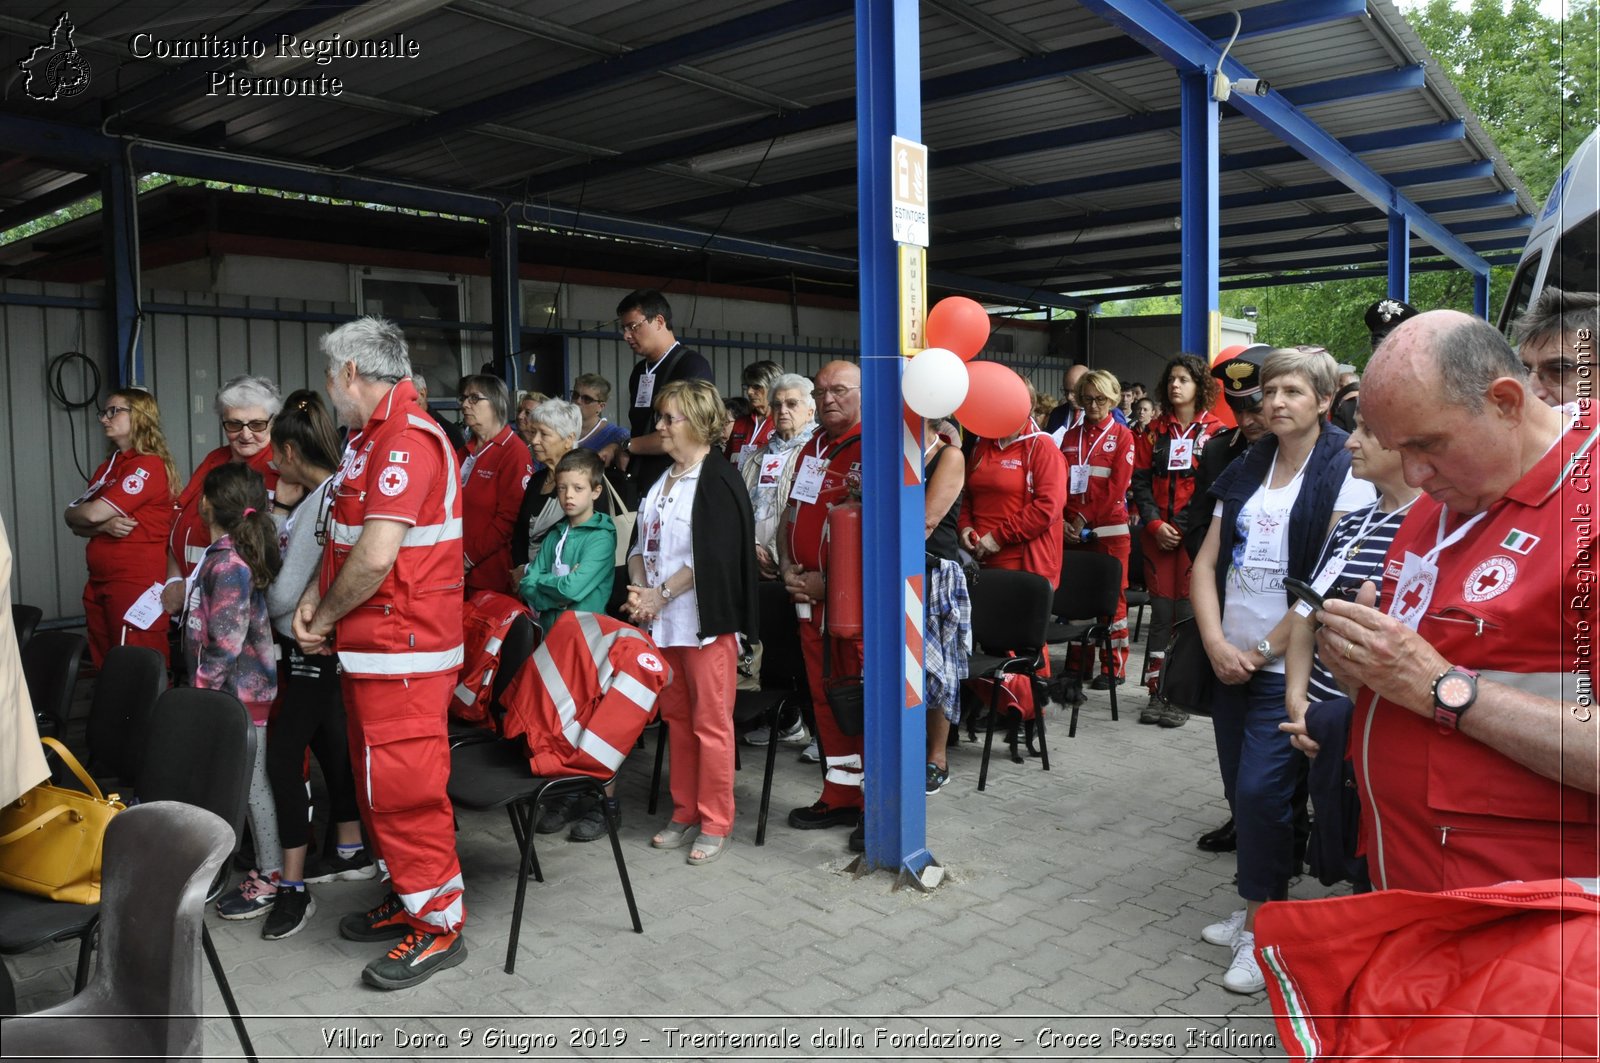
column 1453, row 694
column 666, row 592
column 1264, row 647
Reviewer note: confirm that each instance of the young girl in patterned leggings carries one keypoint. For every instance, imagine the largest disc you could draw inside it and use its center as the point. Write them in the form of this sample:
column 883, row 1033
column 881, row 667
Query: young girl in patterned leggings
column 228, row 642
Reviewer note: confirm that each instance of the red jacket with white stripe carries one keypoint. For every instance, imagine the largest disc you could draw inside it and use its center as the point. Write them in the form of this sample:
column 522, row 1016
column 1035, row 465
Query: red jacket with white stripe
column 400, row 467
column 585, row 695
column 493, row 480
column 1106, row 451
column 488, row 617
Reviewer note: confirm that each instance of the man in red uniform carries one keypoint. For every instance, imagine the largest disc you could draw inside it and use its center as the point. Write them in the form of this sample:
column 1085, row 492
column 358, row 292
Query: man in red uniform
column 1474, row 732
column 830, row 467
column 389, row 599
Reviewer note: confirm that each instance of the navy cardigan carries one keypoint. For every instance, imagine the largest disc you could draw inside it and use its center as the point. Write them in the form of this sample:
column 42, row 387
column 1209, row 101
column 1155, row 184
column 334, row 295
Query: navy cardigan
column 1308, row 519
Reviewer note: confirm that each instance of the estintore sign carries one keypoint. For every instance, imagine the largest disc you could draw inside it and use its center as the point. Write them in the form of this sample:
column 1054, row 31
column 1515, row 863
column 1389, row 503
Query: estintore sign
column 908, row 195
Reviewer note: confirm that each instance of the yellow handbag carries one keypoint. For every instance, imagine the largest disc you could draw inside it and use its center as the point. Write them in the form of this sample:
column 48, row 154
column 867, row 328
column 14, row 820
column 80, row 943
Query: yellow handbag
column 51, row 837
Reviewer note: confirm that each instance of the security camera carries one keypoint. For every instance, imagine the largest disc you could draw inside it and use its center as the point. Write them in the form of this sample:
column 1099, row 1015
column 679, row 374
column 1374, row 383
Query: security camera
column 1252, row 86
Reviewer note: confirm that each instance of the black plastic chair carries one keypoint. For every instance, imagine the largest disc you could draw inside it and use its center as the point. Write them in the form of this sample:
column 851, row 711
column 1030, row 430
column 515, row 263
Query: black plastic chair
column 491, row 774
column 1086, row 597
column 1136, row 594
column 50, row 661
column 25, row 618
column 783, row 683
column 201, row 749
column 145, row 998
column 1010, row 611
column 131, row 679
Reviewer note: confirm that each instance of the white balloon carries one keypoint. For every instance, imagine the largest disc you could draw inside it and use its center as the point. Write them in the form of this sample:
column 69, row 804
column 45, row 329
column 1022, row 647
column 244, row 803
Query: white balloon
column 935, row 382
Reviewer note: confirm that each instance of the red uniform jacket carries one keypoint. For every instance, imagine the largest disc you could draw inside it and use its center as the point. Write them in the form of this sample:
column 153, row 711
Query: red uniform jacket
column 493, row 480
column 135, row 485
column 585, row 695
column 190, row 536
column 1160, row 493
column 1017, row 494
column 400, row 467
column 807, row 519
column 748, row 431
column 1106, row 449
column 489, row 615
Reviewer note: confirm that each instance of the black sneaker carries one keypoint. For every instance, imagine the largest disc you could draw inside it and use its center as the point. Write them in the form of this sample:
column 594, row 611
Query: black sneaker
column 336, row 868
column 387, row 920
column 1105, row 681
column 592, row 827
column 291, row 911
column 557, row 814
column 415, row 960
column 251, row 899
column 819, row 816
column 937, row 777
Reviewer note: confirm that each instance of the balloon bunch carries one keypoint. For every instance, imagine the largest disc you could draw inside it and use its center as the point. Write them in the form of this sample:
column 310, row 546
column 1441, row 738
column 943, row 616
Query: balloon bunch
column 987, row 398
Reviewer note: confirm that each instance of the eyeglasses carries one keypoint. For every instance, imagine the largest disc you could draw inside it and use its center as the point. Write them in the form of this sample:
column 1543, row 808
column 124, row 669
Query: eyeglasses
column 257, row 426
column 1554, row 373
column 473, row 400
column 587, row 400
column 790, row 404
column 110, row 412
column 670, row 418
column 628, row 328
column 838, row 392
column 1098, row 400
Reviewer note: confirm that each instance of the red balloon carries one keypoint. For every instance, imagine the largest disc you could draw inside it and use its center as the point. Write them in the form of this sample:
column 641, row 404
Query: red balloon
column 997, row 401
column 958, row 324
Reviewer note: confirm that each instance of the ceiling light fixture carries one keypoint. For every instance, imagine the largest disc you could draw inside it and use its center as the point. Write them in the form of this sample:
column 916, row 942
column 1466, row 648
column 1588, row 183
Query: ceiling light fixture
column 1095, row 235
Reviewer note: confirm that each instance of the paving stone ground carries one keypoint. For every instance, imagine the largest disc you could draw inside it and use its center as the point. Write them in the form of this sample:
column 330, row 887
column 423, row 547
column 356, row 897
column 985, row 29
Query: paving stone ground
column 1067, row 926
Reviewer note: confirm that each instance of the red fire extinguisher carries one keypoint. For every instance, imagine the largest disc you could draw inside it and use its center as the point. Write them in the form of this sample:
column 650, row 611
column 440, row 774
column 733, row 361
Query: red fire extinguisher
column 841, row 551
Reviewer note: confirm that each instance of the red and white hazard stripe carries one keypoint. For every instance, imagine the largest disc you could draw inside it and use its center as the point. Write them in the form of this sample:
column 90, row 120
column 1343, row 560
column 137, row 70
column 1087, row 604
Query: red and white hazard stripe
column 914, row 673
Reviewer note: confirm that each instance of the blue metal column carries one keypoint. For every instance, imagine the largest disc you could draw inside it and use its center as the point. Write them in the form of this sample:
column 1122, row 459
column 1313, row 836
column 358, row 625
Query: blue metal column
column 505, row 284
column 1480, row 294
column 1202, row 316
column 888, row 103
column 1399, row 257
column 119, row 213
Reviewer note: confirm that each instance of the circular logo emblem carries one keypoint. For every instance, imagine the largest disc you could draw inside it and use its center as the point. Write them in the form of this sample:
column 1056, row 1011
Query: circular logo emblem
column 132, row 485
column 392, row 480
column 68, row 74
column 1412, row 597
column 1490, row 579
column 1110, row 446
column 650, row 662
column 358, row 465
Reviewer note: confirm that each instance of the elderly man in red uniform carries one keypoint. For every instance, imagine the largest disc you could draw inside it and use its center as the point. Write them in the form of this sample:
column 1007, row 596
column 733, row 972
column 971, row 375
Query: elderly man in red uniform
column 830, row 466
column 1474, row 731
column 389, row 599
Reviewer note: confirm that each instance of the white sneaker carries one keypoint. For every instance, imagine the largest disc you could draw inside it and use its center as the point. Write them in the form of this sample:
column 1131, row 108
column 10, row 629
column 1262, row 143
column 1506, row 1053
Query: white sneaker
column 1225, row 932
column 1244, row 973
column 795, row 735
column 811, row 754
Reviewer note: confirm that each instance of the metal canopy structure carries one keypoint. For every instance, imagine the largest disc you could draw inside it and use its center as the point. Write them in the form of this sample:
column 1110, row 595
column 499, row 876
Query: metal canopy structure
column 729, row 129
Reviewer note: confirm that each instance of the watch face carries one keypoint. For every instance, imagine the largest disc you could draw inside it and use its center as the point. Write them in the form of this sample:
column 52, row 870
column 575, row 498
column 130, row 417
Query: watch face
column 1455, row 690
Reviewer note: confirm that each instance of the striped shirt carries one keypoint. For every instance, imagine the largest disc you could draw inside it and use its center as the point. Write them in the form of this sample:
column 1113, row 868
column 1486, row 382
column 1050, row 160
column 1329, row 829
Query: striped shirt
column 1362, row 538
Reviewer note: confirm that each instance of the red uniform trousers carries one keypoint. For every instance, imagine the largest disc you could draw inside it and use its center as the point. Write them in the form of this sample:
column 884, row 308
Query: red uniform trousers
column 104, row 605
column 1117, row 546
column 400, row 753
column 841, row 753
column 698, row 709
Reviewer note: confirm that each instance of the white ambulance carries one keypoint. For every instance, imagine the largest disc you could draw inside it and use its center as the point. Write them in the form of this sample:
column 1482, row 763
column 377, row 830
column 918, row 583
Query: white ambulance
column 1565, row 242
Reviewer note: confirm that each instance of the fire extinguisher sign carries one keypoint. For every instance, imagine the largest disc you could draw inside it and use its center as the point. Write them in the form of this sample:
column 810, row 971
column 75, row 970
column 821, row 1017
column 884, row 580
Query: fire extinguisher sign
column 908, row 196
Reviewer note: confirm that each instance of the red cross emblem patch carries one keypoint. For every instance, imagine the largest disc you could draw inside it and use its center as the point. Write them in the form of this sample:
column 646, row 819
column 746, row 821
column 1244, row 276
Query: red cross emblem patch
column 1490, row 579
column 392, row 480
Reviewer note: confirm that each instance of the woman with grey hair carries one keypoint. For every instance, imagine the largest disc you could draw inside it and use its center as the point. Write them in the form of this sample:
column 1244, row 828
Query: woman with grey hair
column 494, row 477
column 246, row 406
column 750, row 433
column 770, row 472
column 555, row 425
column 1275, row 505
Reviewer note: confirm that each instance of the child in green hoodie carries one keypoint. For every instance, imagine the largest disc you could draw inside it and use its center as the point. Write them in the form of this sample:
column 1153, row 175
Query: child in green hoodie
column 574, row 569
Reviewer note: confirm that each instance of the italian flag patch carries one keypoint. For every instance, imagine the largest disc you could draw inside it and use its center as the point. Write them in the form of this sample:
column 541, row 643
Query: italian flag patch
column 1519, row 541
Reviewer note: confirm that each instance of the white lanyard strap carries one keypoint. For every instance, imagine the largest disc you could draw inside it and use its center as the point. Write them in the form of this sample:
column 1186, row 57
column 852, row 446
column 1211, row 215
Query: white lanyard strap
column 1083, row 455
column 1444, row 543
column 652, row 370
column 1367, row 525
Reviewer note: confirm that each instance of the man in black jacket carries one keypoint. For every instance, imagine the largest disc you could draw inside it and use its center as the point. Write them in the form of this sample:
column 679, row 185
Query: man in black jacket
column 644, row 318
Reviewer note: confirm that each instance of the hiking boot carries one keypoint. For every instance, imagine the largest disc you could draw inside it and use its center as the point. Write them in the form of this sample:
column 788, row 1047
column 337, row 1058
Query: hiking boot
column 937, row 778
column 417, row 958
column 291, row 911
column 557, row 814
column 387, row 920
column 251, row 899
column 1171, row 715
column 592, row 827
column 335, row 868
column 1153, row 710
column 794, row 735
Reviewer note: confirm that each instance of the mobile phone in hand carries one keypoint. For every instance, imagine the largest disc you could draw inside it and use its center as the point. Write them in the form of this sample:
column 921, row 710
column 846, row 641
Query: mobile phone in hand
column 1303, row 591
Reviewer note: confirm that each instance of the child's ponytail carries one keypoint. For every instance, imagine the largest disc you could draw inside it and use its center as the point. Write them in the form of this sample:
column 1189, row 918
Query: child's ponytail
column 237, row 496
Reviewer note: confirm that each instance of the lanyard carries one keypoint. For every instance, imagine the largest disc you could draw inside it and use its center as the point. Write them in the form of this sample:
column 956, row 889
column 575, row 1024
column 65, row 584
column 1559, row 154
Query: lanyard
column 1442, row 543
column 1273, row 471
column 652, row 370
column 760, row 423
column 1083, row 455
column 105, row 477
column 596, row 427
column 1368, row 526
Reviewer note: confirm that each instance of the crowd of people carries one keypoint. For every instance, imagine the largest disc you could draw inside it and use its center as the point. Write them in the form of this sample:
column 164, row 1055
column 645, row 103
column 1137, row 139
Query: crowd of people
column 321, row 580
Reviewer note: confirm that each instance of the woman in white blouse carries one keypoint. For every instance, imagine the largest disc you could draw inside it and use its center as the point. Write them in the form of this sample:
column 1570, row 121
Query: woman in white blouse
column 692, row 585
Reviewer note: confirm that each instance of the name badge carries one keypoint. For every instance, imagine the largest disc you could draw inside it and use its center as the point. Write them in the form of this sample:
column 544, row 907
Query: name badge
column 808, row 483
column 1078, row 476
column 1180, row 455
column 652, row 535
column 647, row 392
column 1264, row 545
column 1414, row 590
column 146, row 609
column 771, row 469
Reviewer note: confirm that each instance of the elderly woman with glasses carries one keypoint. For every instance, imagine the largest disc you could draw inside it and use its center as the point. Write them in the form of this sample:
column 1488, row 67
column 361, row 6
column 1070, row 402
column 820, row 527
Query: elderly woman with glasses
column 246, row 405
column 692, row 583
column 590, row 393
column 494, row 477
column 770, row 473
column 126, row 514
column 750, row 432
column 555, row 427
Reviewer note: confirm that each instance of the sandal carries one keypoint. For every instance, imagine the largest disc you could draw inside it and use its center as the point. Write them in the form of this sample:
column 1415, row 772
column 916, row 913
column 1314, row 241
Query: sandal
column 674, row 835
column 709, row 846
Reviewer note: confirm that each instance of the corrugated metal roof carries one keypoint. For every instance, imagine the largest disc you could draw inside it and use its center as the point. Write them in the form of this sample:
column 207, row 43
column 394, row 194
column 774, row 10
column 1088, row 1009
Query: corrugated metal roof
column 689, row 137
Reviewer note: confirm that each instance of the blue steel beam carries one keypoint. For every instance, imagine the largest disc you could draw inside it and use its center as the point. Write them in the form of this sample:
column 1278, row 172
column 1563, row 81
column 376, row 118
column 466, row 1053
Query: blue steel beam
column 1168, row 285
column 1022, row 144
column 1200, row 324
column 1282, row 17
column 786, row 19
column 1155, row 25
column 888, row 104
